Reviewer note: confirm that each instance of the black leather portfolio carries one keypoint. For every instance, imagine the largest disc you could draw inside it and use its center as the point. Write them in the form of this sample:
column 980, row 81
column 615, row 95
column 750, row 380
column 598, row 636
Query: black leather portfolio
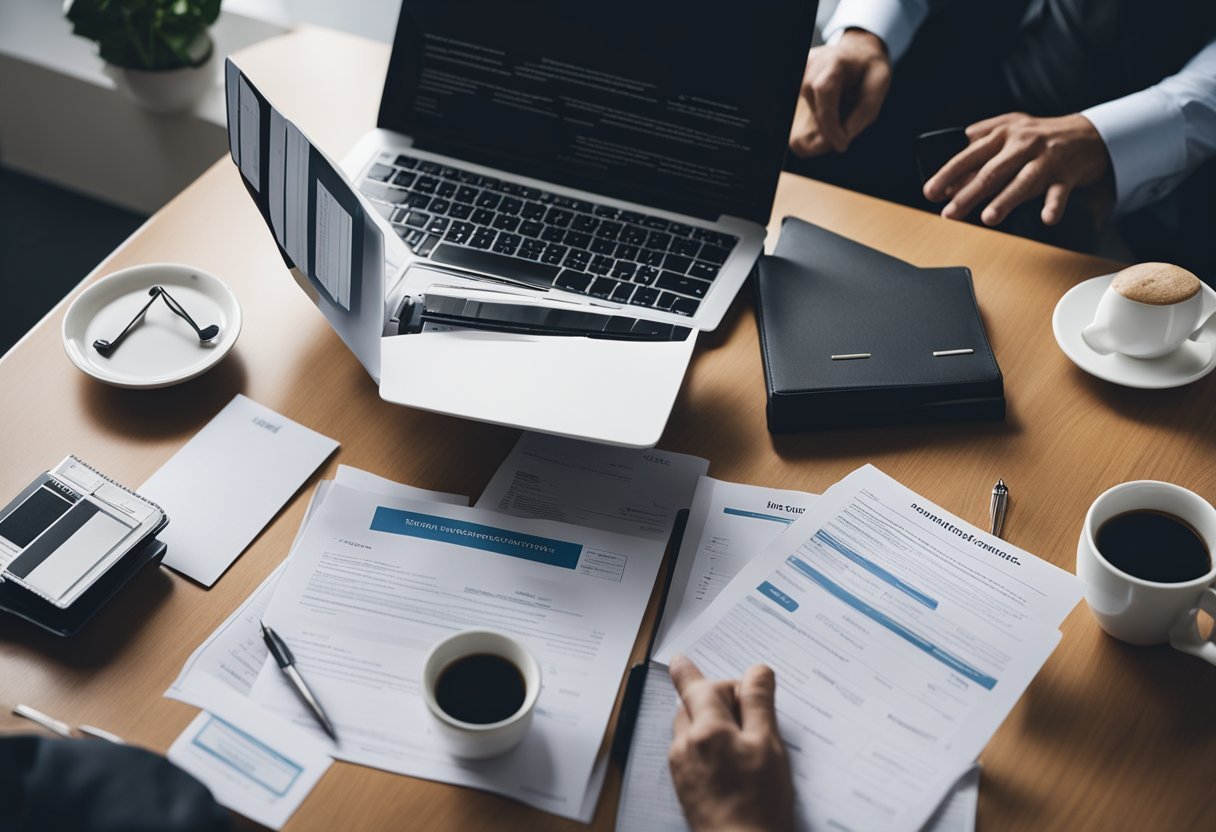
column 851, row 336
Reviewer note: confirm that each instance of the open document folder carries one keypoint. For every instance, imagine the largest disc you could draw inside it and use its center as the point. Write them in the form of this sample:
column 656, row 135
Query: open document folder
column 439, row 339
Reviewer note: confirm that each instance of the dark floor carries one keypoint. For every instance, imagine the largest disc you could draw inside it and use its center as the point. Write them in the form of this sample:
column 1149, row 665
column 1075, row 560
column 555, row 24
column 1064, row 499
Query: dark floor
column 50, row 238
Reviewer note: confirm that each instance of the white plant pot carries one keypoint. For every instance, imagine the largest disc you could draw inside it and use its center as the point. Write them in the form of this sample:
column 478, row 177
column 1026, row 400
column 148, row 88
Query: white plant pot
column 165, row 91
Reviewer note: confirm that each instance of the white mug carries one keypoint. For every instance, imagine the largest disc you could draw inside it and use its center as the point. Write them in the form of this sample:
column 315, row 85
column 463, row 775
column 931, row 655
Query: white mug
column 1147, row 612
column 470, row 740
column 1147, row 330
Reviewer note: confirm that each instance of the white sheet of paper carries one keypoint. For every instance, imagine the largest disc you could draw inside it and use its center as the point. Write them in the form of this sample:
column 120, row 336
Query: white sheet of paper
column 621, row 490
column 252, row 761
column 276, row 175
column 611, row 488
column 376, row 581
column 228, row 481
column 332, row 237
column 250, row 136
column 234, row 654
column 295, row 197
column 901, row 637
column 648, row 800
column 728, row 525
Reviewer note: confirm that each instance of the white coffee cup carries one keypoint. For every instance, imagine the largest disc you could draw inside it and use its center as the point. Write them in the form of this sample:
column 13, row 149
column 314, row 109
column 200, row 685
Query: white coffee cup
column 471, row 740
column 1136, row 610
column 1148, row 330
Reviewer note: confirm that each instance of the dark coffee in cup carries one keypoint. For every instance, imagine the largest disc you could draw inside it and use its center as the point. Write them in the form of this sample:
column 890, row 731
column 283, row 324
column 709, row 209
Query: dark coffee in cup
column 1154, row 546
column 480, row 688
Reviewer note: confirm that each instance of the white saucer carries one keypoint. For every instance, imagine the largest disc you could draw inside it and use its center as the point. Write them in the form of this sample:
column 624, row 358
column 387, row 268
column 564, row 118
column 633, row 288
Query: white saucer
column 1190, row 362
column 162, row 349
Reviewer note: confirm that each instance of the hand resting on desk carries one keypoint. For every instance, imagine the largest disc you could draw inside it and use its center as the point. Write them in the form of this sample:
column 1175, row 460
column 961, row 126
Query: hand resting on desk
column 727, row 760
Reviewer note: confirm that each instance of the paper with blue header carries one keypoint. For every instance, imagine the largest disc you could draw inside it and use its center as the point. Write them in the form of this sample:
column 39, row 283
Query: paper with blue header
column 901, row 637
column 375, row 581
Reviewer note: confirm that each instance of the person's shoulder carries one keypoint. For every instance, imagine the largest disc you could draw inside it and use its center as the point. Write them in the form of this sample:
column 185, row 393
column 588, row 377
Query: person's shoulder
column 93, row 786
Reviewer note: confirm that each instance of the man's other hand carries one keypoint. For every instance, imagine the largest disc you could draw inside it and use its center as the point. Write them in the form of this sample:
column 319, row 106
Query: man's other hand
column 727, row 760
column 1015, row 157
column 843, row 89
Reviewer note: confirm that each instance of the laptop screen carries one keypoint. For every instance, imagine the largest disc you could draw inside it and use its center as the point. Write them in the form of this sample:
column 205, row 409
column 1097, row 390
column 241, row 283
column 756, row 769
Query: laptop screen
column 678, row 104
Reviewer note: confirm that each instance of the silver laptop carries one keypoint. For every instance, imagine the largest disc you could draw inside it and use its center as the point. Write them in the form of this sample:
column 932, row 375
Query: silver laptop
column 556, row 199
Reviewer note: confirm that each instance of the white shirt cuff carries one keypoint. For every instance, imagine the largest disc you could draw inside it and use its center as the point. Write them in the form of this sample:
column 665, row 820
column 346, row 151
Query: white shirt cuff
column 895, row 22
column 1145, row 135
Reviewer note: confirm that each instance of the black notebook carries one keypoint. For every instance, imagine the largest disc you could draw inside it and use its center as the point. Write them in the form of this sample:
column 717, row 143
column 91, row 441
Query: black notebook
column 851, row 336
column 69, row 541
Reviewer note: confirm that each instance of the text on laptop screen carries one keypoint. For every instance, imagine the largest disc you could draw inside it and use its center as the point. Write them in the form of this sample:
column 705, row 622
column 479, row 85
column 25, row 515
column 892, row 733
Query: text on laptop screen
column 680, row 105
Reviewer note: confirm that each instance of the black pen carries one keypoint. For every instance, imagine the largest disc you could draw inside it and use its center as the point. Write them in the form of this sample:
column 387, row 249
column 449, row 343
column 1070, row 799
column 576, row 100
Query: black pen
column 287, row 664
column 997, row 508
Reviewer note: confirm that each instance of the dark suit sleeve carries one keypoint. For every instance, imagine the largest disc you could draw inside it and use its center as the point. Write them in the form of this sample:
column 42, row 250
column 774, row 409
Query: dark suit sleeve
column 95, row 786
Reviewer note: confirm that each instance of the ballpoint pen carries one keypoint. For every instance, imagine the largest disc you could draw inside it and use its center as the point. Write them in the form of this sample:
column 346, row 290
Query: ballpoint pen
column 286, row 662
column 998, row 507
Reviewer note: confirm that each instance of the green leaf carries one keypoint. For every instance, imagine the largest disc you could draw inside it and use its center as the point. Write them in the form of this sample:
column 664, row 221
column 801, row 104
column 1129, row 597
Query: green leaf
column 146, row 34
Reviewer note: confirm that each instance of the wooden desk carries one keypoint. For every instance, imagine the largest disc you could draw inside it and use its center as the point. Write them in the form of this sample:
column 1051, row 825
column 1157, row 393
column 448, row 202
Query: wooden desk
column 1108, row 736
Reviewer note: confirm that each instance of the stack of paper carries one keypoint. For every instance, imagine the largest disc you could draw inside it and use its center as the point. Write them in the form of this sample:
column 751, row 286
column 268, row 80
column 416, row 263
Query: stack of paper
column 901, row 637
column 254, row 762
column 562, row 553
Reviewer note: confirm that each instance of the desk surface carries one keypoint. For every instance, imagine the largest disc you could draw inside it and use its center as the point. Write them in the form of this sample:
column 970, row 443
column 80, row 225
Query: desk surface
column 1108, row 736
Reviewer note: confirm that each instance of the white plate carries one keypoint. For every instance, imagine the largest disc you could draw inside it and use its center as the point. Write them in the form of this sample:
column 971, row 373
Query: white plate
column 162, row 349
column 1190, row 362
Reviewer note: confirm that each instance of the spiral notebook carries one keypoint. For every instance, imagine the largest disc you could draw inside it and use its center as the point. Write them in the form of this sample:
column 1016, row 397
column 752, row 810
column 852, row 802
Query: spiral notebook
column 69, row 540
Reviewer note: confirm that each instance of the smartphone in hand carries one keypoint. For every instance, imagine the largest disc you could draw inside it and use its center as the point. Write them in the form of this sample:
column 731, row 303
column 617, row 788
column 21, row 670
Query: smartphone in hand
column 935, row 148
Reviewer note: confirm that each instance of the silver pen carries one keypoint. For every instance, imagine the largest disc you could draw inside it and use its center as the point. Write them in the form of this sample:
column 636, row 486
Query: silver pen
column 998, row 507
column 286, row 662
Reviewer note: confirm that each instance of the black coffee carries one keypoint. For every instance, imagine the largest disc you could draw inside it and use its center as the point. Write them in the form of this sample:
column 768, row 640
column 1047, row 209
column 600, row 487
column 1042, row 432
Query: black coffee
column 480, row 688
column 1154, row 546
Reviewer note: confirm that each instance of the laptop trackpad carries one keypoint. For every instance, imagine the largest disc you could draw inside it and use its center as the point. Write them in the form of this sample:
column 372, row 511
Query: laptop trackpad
column 617, row 392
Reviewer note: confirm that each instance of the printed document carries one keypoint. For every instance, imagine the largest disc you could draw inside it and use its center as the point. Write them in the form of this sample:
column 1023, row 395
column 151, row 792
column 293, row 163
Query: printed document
column 636, row 492
column 728, row 524
column 253, row 762
column 376, row 581
column 234, row 654
column 648, row 801
column 901, row 637
column 621, row 490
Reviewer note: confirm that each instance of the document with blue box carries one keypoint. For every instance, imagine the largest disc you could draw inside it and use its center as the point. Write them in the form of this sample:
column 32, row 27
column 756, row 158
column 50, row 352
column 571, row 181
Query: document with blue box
column 376, row 581
column 728, row 525
column 253, row 762
column 234, row 654
column 901, row 636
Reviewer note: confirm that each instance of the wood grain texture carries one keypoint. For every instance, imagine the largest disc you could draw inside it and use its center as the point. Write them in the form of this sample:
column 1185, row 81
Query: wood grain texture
column 1107, row 737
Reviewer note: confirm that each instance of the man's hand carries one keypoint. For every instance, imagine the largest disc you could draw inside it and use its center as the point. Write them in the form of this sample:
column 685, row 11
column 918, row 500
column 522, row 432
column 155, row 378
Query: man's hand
column 727, row 759
column 1017, row 157
column 843, row 90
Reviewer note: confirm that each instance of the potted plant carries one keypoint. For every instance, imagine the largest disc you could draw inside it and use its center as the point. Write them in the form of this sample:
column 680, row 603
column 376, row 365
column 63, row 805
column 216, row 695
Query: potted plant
column 158, row 52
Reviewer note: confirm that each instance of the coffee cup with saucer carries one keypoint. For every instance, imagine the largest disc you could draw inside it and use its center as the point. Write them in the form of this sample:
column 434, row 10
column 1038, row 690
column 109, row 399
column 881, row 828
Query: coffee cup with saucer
column 1133, row 342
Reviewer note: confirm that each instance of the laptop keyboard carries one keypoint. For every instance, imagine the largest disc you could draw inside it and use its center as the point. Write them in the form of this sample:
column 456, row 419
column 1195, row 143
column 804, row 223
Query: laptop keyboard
column 543, row 239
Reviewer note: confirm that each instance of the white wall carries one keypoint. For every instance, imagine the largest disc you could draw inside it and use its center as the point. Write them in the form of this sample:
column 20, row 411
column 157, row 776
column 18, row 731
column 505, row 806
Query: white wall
column 61, row 118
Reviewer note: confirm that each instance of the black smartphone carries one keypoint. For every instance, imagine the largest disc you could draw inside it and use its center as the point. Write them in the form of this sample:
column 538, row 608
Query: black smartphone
column 935, row 148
